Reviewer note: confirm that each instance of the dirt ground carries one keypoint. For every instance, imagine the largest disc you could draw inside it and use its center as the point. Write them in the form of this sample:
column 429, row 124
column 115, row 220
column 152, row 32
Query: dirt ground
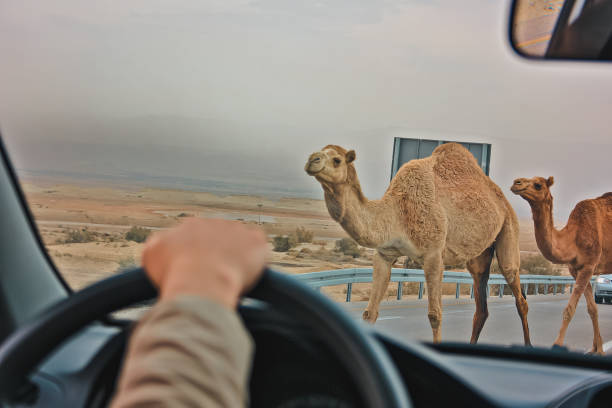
column 99, row 217
column 530, row 9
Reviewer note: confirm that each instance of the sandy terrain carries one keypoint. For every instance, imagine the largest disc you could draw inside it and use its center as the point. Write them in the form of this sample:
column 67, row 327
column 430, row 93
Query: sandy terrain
column 531, row 9
column 105, row 214
column 534, row 21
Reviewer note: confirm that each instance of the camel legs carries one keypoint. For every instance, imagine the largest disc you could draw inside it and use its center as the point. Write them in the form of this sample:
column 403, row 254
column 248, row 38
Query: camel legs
column 433, row 268
column 592, row 309
column 522, row 307
column 479, row 269
column 380, row 281
column 508, row 257
column 582, row 279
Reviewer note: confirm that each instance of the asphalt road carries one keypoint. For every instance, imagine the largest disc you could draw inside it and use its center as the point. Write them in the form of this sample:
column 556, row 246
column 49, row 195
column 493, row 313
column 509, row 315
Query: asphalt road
column 408, row 320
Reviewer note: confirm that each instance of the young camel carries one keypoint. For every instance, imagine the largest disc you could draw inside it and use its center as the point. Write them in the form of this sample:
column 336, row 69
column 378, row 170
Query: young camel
column 585, row 244
column 441, row 209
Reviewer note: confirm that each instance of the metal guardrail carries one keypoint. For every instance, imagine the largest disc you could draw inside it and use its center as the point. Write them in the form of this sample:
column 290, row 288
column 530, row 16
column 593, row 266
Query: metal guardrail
column 364, row 275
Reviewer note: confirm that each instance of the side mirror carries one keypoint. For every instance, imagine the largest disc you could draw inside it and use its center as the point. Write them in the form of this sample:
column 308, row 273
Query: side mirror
column 562, row 29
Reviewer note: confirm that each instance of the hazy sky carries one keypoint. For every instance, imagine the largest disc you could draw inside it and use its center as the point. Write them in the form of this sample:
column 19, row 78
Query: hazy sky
column 245, row 90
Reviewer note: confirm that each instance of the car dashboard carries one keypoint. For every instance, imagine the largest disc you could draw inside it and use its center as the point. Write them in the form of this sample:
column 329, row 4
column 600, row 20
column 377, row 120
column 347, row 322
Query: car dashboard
column 292, row 364
column 293, row 368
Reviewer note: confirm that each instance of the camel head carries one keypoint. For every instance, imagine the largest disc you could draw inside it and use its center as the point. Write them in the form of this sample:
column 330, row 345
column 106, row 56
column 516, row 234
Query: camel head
column 332, row 166
column 533, row 190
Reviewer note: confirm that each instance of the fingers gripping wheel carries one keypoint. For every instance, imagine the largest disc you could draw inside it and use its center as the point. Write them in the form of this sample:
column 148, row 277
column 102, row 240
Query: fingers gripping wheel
column 373, row 372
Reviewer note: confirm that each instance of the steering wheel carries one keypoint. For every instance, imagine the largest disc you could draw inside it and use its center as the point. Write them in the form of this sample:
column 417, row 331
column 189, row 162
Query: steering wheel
column 374, row 375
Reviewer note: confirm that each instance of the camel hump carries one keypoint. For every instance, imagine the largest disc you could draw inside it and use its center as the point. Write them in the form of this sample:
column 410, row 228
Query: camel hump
column 455, row 162
column 456, row 151
column 606, row 200
column 607, row 195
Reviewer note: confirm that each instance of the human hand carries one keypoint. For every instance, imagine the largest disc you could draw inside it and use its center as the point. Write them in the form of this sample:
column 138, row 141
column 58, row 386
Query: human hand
column 212, row 258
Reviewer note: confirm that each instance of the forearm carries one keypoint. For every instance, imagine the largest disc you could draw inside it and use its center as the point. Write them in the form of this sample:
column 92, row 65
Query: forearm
column 186, row 352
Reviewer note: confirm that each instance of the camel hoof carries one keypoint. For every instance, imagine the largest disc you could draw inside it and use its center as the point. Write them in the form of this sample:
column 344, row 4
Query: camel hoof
column 595, row 352
column 369, row 318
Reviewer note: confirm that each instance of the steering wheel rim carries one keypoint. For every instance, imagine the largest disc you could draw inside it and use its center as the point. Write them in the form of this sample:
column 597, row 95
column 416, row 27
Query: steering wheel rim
column 377, row 379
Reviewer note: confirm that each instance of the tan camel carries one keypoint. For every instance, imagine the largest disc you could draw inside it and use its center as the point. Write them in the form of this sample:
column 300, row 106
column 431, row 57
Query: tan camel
column 585, row 244
column 440, row 209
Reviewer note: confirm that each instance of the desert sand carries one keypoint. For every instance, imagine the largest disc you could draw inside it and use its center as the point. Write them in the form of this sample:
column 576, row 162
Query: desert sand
column 103, row 215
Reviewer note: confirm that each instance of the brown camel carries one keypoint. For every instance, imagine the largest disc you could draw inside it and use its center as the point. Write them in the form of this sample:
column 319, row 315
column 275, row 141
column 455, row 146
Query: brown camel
column 440, row 209
column 585, row 244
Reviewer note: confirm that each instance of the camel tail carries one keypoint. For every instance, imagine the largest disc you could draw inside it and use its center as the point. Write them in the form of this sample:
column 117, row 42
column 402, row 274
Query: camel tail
column 523, row 293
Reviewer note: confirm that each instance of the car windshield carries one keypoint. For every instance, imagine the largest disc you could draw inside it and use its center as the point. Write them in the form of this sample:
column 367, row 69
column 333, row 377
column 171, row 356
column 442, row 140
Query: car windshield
column 125, row 118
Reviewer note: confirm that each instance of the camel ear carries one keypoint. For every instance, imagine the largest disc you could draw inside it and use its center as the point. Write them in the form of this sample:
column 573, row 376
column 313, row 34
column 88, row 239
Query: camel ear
column 350, row 156
column 550, row 181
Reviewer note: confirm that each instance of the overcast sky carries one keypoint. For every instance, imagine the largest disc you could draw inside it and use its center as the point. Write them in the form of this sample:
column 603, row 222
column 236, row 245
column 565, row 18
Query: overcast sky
column 245, row 90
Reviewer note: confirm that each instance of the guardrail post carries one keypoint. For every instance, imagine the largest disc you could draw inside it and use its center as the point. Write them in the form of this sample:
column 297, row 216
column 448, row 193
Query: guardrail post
column 317, row 280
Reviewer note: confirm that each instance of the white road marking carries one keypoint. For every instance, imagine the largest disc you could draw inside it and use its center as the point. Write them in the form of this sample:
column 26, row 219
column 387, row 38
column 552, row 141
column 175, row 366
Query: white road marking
column 390, row 317
column 607, row 346
column 456, row 311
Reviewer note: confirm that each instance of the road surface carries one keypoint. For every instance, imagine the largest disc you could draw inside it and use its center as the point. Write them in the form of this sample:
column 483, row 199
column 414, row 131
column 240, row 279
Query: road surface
column 408, row 320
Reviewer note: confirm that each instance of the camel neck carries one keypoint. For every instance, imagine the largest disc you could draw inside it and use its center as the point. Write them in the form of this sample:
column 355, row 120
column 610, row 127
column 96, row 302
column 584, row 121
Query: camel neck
column 361, row 218
column 547, row 236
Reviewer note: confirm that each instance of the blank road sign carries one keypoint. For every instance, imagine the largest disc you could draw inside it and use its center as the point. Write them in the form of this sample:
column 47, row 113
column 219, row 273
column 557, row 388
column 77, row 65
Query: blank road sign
column 405, row 149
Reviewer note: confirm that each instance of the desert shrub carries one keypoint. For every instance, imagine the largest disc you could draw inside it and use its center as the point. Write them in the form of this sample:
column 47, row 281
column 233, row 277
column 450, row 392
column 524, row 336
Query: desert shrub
column 495, row 266
column 323, row 254
column 282, row 243
column 125, row 263
column 536, row 265
column 304, row 253
column 137, row 234
column 530, row 264
column 79, row 236
column 348, row 258
column 292, row 240
column 348, row 247
column 410, row 263
column 301, row 234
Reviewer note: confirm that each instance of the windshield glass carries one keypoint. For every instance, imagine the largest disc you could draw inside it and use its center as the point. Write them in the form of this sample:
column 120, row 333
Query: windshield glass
column 124, row 118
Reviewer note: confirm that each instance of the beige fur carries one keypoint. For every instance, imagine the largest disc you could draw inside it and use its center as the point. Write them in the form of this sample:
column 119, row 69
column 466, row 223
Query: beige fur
column 441, row 209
